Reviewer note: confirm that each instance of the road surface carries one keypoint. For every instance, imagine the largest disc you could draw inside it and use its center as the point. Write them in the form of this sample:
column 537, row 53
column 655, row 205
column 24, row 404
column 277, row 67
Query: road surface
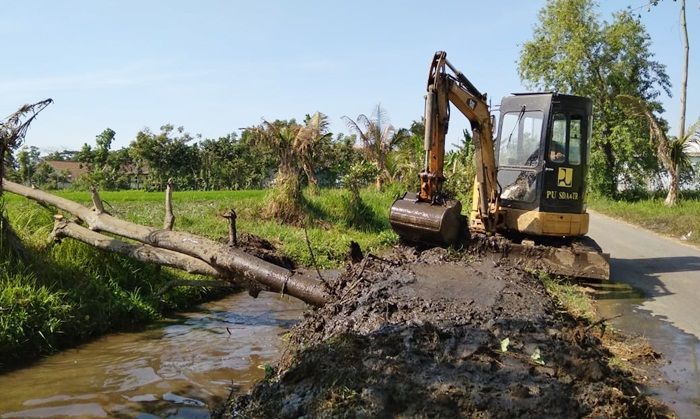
column 667, row 271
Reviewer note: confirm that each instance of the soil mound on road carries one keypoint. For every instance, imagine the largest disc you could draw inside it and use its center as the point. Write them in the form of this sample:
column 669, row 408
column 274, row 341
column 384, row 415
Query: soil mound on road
column 439, row 334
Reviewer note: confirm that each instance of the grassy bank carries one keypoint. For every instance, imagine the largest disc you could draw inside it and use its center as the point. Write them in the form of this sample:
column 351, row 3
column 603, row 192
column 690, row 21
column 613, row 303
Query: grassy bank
column 53, row 296
column 627, row 353
column 650, row 212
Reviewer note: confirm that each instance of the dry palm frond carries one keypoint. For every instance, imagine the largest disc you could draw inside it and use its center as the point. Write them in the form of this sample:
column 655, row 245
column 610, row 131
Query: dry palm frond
column 13, row 129
column 377, row 136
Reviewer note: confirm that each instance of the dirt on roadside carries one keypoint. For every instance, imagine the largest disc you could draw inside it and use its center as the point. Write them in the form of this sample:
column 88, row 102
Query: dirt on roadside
column 442, row 334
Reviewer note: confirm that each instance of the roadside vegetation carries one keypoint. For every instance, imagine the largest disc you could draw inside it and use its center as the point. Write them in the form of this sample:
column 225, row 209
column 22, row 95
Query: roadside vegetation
column 628, row 353
column 570, row 296
column 681, row 221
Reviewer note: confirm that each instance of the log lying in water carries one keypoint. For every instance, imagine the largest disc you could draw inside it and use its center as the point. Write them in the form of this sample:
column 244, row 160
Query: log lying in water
column 236, row 264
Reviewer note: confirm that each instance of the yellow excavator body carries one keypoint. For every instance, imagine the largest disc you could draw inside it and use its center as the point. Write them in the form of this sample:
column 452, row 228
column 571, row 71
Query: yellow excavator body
column 530, row 177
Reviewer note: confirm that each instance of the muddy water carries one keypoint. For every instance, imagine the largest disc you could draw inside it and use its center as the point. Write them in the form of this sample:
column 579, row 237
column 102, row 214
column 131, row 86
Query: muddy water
column 177, row 368
column 679, row 383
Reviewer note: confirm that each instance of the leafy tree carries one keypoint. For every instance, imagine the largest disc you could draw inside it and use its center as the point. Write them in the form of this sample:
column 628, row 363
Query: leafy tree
column 356, row 213
column 407, row 161
column 45, row 176
column 167, row 154
column 334, row 158
column 460, row 170
column 105, row 168
column 572, row 51
column 64, row 155
column 230, row 162
column 27, row 160
column 378, row 140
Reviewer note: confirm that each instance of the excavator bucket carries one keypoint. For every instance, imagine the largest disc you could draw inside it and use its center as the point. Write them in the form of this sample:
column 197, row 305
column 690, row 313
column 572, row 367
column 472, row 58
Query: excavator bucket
column 422, row 222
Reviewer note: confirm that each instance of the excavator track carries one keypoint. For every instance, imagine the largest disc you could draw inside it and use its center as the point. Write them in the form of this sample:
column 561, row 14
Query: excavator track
column 579, row 257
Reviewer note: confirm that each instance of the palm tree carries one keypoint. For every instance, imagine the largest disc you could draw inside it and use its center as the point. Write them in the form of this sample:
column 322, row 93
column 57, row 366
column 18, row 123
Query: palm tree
column 378, row 139
column 296, row 146
column 306, row 143
column 673, row 152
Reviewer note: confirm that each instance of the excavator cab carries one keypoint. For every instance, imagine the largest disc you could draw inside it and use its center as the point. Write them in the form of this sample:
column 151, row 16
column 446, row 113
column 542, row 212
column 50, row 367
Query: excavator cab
column 542, row 158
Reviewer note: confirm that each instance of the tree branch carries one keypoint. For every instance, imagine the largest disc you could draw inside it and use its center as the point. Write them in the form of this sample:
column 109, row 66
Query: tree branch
column 141, row 252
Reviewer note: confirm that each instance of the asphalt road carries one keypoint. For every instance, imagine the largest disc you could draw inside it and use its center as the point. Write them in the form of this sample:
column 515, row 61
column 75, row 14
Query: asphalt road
column 666, row 270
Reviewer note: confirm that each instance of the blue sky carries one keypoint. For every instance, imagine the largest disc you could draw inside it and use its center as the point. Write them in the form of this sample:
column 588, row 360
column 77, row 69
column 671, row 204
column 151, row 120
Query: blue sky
column 217, row 66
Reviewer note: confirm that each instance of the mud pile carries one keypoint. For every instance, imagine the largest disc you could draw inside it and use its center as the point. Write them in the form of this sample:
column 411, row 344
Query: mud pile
column 442, row 335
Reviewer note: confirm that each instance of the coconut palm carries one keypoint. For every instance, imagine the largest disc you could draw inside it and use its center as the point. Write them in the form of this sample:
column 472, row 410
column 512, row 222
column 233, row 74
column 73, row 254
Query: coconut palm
column 378, row 139
column 306, row 143
column 673, row 152
column 296, row 146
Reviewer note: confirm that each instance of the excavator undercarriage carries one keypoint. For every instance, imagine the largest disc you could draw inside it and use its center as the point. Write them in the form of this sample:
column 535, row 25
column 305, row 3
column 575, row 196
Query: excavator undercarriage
column 529, row 191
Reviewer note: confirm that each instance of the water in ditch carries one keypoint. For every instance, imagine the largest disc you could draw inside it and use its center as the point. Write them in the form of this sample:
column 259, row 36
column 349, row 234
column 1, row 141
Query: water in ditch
column 678, row 384
column 179, row 367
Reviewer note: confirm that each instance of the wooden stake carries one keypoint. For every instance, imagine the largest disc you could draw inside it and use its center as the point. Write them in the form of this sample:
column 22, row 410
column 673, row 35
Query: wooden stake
column 97, row 201
column 169, row 221
column 232, row 234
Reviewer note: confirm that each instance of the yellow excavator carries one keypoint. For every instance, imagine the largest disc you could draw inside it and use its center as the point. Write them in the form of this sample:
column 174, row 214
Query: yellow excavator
column 530, row 179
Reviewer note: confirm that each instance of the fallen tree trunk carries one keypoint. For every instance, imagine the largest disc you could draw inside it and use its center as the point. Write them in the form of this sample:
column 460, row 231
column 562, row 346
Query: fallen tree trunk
column 239, row 264
column 143, row 252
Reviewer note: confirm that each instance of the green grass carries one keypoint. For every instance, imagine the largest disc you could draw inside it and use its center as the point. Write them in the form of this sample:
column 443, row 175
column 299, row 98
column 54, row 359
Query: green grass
column 56, row 295
column 61, row 294
column 199, row 212
column 650, row 212
column 570, row 296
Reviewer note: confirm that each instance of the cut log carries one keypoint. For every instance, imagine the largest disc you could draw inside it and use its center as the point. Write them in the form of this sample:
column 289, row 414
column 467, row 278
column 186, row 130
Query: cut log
column 240, row 264
column 139, row 251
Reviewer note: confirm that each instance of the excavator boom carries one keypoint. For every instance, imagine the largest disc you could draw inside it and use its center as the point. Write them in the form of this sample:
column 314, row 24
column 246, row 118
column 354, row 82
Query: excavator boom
column 430, row 217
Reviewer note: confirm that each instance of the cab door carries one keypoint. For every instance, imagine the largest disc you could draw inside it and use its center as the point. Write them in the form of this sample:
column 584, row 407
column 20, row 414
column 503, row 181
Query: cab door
column 565, row 165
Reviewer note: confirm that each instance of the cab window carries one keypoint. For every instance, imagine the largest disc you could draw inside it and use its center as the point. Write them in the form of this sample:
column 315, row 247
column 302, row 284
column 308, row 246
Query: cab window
column 557, row 144
column 565, row 143
column 575, row 133
column 520, row 138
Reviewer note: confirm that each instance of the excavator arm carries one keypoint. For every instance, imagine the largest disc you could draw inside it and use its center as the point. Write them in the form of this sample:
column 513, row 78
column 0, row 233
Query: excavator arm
column 430, row 217
column 445, row 88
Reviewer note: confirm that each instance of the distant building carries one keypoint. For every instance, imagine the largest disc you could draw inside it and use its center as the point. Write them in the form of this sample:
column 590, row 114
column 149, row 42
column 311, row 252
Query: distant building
column 72, row 169
column 137, row 175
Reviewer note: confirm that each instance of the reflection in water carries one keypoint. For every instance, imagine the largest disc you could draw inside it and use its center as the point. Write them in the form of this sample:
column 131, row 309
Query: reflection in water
column 681, row 387
column 175, row 368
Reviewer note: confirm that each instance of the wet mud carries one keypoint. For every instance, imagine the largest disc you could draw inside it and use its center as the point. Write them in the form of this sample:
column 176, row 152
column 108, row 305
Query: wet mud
column 442, row 334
